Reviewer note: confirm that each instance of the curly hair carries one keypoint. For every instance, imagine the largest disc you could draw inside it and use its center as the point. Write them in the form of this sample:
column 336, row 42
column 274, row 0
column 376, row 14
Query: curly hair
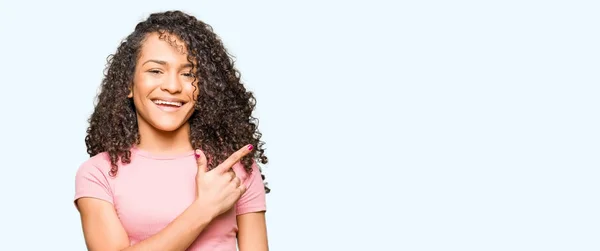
column 222, row 121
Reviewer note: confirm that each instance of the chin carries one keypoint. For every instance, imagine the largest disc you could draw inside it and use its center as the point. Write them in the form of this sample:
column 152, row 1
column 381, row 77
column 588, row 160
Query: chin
column 168, row 127
column 167, row 123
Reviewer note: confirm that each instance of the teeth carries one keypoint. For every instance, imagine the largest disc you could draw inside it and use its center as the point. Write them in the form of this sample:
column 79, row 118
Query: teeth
column 162, row 102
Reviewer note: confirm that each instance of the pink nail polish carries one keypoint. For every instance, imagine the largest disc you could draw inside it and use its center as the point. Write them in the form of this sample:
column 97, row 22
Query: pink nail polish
column 197, row 153
column 250, row 147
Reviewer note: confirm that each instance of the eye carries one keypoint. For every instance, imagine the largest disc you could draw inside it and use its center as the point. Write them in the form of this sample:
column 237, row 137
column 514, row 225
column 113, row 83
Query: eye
column 154, row 71
column 189, row 76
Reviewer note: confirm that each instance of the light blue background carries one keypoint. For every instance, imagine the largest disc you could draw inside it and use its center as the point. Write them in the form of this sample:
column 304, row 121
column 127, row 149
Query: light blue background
column 413, row 125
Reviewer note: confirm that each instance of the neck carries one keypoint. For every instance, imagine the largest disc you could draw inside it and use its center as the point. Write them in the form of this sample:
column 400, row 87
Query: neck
column 161, row 142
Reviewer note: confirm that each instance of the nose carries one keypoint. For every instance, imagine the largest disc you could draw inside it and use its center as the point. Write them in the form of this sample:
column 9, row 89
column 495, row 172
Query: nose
column 171, row 84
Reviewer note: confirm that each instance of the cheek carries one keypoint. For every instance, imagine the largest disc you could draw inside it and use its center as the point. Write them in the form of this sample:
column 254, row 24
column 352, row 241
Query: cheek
column 143, row 85
column 192, row 92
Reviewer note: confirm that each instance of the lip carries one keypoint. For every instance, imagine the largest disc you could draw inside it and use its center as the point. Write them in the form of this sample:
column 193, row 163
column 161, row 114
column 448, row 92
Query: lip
column 169, row 99
column 168, row 109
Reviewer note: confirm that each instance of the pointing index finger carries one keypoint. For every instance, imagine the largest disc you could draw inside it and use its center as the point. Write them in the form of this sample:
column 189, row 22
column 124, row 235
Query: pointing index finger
column 234, row 158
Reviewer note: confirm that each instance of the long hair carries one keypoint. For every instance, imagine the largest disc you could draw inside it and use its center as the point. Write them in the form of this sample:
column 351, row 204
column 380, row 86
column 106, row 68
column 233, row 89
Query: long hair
column 222, row 121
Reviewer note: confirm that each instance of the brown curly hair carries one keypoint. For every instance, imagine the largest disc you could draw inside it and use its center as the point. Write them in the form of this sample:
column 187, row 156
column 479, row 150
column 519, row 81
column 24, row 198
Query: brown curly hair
column 222, row 121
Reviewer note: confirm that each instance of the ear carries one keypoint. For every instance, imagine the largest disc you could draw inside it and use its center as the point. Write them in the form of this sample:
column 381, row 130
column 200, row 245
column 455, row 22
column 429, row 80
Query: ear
column 130, row 95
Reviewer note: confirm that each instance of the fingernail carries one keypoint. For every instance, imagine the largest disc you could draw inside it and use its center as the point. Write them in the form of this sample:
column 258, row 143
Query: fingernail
column 197, row 153
column 250, row 147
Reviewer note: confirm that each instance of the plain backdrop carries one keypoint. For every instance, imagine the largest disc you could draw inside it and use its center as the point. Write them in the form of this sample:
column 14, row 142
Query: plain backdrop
column 398, row 125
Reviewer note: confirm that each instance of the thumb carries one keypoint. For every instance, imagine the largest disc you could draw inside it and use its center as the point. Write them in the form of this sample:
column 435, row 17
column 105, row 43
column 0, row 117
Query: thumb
column 201, row 161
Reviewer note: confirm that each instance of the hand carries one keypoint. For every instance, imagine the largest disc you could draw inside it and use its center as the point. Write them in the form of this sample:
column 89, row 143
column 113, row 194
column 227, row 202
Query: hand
column 218, row 189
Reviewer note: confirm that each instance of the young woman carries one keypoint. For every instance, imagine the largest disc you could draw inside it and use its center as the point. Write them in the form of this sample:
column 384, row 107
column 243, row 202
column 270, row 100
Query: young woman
column 174, row 147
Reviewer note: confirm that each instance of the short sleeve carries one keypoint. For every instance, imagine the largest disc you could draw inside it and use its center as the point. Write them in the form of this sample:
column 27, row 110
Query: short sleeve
column 92, row 181
column 253, row 200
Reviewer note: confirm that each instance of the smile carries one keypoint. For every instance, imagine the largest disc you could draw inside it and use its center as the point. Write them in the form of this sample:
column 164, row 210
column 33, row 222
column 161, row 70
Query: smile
column 167, row 103
column 168, row 106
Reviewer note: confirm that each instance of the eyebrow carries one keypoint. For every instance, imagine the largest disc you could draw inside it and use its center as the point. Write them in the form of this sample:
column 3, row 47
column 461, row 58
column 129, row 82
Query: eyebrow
column 160, row 62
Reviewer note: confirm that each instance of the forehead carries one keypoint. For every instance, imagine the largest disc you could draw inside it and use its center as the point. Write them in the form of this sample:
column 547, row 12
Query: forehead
column 164, row 47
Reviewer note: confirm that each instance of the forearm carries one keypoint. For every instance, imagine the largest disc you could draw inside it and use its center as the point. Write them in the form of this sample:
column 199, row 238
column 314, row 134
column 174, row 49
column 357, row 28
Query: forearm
column 179, row 234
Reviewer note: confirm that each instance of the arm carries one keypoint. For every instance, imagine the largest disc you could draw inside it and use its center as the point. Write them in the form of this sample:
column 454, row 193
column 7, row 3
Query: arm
column 103, row 230
column 252, row 232
column 251, row 208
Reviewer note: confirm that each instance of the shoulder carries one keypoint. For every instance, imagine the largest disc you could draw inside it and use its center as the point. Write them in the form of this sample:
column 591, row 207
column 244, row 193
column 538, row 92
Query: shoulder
column 99, row 163
column 253, row 200
column 243, row 174
column 93, row 179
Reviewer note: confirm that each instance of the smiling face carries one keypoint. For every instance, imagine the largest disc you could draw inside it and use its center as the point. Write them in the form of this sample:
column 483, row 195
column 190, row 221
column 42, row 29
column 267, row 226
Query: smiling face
column 163, row 90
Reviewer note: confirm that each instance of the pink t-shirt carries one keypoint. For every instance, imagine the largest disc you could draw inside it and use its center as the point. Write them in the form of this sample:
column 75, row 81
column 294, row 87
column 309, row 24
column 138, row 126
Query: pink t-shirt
column 152, row 191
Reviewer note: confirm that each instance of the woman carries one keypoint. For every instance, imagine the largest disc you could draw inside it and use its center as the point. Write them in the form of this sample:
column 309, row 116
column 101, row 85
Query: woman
column 173, row 145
